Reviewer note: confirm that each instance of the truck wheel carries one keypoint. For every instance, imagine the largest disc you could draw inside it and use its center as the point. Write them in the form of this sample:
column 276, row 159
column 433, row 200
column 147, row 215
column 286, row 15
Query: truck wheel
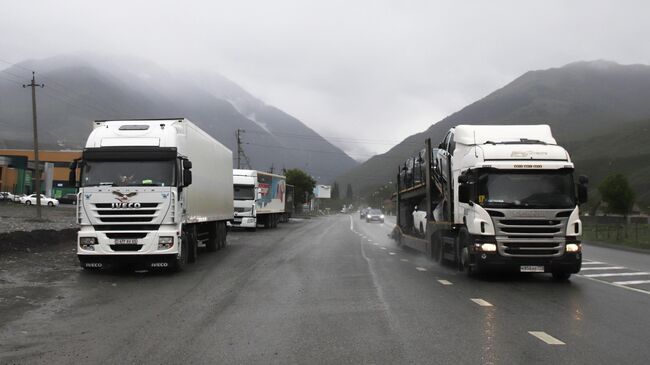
column 561, row 276
column 436, row 247
column 181, row 260
column 212, row 245
column 461, row 244
column 223, row 235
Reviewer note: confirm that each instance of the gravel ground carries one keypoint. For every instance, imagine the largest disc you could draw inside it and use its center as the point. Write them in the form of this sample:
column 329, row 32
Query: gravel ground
column 19, row 217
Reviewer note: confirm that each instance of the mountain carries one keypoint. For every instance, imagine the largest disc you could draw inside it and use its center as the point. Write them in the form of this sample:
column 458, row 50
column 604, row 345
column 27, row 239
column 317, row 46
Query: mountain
column 585, row 103
column 79, row 90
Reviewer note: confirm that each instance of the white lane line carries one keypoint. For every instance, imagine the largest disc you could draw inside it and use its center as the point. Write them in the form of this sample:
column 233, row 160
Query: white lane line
column 481, row 302
column 383, row 248
column 445, row 282
column 391, row 253
column 546, row 338
column 632, row 282
column 404, row 260
column 592, row 263
column 375, row 243
column 616, row 285
column 603, row 268
column 420, row 269
column 617, row 274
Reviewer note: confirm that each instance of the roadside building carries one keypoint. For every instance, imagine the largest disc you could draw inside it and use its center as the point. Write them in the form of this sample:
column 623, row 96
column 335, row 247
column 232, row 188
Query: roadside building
column 17, row 171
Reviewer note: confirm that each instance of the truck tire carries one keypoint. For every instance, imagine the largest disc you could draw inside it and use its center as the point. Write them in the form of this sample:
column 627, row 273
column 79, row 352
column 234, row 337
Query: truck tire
column 461, row 245
column 436, row 247
column 561, row 275
column 212, row 244
column 181, row 260
column 222, row 233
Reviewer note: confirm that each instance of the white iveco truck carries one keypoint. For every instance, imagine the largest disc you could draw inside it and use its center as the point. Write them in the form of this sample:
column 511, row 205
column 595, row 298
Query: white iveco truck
column 260, row 198
column 494, row 197
column 150, row 192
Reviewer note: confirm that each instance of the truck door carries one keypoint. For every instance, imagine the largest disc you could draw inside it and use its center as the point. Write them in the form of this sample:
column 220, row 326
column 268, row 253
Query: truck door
column 444, row 166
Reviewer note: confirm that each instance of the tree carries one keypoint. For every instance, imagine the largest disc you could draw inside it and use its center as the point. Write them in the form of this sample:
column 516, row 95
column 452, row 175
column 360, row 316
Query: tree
column 348, row 193
column 335, row 191
column 617, row 193
column 303, row 185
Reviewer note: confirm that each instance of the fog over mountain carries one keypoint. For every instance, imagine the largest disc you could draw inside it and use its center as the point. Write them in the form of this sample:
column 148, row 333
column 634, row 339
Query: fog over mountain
column 586, row 104
column 80, row 89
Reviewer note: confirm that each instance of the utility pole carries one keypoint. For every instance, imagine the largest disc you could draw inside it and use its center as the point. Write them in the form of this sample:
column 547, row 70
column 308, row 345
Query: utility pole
column 271, row 169
column 37, row 162
column 239, row 148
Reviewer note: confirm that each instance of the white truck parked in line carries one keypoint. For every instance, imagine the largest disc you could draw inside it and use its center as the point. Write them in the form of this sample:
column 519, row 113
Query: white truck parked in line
column 494, row 197
column 150, row 192
column 259, row 198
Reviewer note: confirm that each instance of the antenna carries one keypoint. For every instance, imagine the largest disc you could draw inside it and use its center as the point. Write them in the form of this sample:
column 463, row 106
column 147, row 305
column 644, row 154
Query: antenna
column 475, row 152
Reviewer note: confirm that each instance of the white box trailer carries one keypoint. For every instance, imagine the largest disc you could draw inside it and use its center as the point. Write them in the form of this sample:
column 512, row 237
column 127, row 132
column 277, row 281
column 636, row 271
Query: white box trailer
column 150, row 192
column 260, row 198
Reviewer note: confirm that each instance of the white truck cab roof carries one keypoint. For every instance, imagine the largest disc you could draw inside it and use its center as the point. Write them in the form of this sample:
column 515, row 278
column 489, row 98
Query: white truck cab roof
column 482, row 134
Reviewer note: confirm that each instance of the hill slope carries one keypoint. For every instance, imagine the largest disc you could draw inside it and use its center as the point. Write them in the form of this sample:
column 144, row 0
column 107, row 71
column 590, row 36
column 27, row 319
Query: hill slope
column 79, row 90
column 579, row 101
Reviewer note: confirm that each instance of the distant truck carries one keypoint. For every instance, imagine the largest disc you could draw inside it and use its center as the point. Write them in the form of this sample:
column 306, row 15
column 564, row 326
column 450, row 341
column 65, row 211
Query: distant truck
column 150, row 192
column 259, row 198
column 493, row 197
column 289, row 207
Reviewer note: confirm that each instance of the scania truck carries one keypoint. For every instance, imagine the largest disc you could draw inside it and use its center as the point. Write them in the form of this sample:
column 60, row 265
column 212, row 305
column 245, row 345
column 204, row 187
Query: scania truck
column 259, row 199
column 150, row 193
column 493, row 197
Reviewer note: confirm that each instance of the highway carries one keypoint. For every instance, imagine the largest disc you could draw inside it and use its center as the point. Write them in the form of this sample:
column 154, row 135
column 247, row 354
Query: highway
column 335, row 290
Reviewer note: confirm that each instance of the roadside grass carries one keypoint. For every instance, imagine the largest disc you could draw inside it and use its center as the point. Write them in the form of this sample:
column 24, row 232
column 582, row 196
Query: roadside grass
column 630, row 235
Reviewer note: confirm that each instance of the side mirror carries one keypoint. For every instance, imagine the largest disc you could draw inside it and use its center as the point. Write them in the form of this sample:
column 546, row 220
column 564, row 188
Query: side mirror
column 464, row 193
column 72, row 176
column 441, row 146
column 582, row 189
column 583, row 180
column 463, row 179
column 415, row 208
column 187, row 164
column 187, row 177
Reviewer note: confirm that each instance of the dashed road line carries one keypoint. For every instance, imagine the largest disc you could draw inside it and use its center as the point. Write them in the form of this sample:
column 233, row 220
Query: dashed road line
column 616, row 274
column 632, row 282
column 592, row 263
column 383, row 248
column 603, row 268
column 420, row 269
column 404, row 260
column 445, row 282
column 481, row 302
column 550, row 340
column 616, row 285
column 391, row 253
column 375, row 243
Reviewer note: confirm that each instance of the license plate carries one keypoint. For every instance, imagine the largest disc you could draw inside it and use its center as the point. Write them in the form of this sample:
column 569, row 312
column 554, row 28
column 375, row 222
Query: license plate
column 531, row 268
column 126, row 241
column 237, row 220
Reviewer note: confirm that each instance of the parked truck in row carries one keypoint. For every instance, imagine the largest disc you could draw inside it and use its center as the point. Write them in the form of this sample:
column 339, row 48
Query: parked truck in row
column 493, row 197
column 260, row 198
column 139, row 201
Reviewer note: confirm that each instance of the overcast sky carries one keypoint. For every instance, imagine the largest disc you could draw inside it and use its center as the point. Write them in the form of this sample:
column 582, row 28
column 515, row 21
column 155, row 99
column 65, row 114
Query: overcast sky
column 364, row 73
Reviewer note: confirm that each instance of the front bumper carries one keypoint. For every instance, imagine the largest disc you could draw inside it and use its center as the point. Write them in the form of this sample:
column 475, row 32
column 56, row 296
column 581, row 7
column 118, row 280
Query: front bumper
column 243, row 222
column 147, row 245
column 139, row 261
column 569, row 262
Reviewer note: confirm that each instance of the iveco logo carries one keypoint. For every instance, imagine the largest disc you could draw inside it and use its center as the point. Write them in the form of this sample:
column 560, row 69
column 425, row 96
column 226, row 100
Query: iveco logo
column 125, row 205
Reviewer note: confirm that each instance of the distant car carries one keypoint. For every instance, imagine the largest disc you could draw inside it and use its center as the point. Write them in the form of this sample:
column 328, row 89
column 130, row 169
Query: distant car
column 7, row 196
column 362, row 213
column 31, row 199
column 420, row 221
column 375, row 215
column 68, row 199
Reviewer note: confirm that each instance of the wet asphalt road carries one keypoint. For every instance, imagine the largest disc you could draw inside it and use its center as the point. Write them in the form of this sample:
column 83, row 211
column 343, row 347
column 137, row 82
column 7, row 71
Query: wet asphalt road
column 336, row 290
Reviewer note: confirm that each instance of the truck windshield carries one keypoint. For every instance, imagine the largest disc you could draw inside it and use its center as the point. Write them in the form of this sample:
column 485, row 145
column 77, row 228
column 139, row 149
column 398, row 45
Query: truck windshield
column 244, row 192
column 519, row 189
column 128, row 173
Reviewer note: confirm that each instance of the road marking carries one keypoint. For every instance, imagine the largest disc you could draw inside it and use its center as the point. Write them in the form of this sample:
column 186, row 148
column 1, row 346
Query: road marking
column 592, row 263
column 404, row 260
column 383, row 248
column 420, row 269
column 604, row 268
column 616, row 285
column 481, row 302
column 616, row 274
column 375, row 243
column 632, row 282
column 546, row 338
column 445, row 282
column 391, row 253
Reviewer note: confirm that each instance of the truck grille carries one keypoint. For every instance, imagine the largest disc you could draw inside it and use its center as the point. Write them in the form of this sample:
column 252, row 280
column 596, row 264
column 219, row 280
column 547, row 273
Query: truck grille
column 126, row 247
column 540, row 235
column 147, row 212
column 126, row 235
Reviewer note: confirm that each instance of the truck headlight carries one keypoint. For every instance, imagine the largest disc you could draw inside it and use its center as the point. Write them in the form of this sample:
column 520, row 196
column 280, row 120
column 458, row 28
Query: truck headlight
column 165, row 243
column 87, row 243
column 573, row 247
column 368, row 216
column 381, row 216
column 488, row 247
